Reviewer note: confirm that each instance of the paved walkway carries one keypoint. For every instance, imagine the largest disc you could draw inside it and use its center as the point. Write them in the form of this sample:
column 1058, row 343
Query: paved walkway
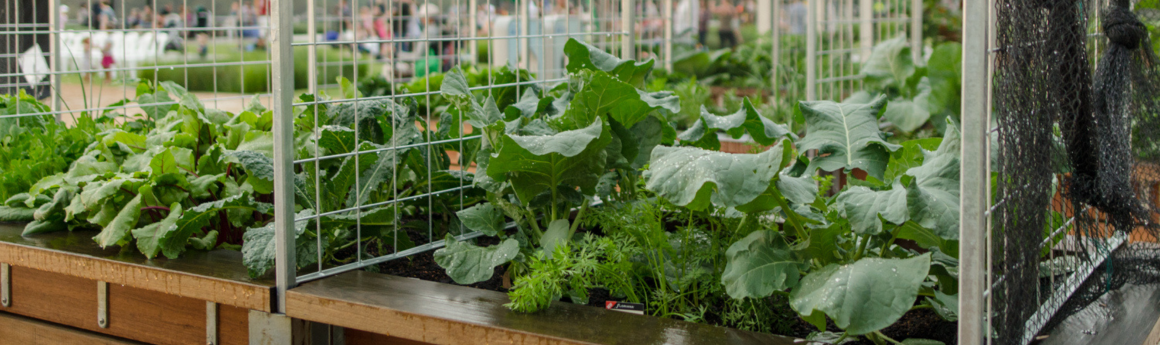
column 97, row 95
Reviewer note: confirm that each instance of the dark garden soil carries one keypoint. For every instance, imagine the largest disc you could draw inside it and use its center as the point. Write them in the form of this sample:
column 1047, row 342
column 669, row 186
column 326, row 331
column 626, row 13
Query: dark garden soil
column 922, row 323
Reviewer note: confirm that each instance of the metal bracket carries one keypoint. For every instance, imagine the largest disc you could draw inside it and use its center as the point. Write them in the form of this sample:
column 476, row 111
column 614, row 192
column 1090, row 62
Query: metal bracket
column 211, row 323
column 5, row 285
column 103, row 304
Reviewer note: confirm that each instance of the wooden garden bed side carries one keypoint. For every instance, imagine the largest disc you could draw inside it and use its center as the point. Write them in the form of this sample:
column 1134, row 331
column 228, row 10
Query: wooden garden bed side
column 216, row 276
column 133, row 313
column 21, row 330
column 437, row 313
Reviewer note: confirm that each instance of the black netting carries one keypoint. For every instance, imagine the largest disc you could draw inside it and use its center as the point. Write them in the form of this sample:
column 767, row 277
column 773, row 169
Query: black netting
column 1076, row 170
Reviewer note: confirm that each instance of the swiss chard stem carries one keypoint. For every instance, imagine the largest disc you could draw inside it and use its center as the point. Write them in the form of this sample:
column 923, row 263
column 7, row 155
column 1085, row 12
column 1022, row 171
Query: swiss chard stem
column 881, row 336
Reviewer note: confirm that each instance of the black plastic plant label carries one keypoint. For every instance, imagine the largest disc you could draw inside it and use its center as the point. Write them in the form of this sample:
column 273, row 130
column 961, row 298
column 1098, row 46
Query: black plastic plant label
column 632, row 308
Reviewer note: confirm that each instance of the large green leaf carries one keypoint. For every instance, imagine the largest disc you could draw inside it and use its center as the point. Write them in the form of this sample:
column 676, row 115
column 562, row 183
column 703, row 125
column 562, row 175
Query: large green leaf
column 116, row 233
column 485, row 218
column 746, row 120
column 582, row 56
column 556, row 235
column 910, row 114
column 933, row 195
column 760, row 264
column 864, row 296
column 198, row 217
column 890, row 62
column 468, row 264
column 259, row 246
column 149, row 237
column 258, row 166
column 944, row 68
column 862, row 206
column 846, row 136
column 693, row 177
column 603, row 95
column 534, row 164
column 16, row 214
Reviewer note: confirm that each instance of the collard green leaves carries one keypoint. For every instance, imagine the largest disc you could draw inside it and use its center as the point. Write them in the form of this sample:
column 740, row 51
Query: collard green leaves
column 693, row 177
column 573, row 158
column 467, row 263
column 864, row 296
column 760, row 264
column 846, row 136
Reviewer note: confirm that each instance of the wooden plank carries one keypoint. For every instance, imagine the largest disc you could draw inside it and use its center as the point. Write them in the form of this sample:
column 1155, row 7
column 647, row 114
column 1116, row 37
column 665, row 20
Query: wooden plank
column 1154, row 336
column 137, row 314
column 358, row 337
column 26, row 331
column 439, row 313
column 216, row 276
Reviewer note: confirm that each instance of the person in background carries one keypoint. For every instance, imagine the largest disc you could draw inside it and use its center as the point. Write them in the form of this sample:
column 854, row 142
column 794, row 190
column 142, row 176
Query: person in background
column 83, row 14
column 727, row 13
column 108, row 18
column 63, row 16
column 133, row 18
column 703, row 23
column 86, row 64
column 107, row 61
column 262, row 7
column 147, row 18
column 202, row 16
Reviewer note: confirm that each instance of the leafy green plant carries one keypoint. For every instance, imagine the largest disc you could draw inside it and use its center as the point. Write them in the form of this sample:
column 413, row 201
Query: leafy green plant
column 183, row 176
column 919, row 93
column 555, row 151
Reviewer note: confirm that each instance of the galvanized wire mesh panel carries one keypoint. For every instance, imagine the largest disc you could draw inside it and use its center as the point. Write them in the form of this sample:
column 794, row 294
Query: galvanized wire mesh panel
column 388, row 164
column 92, row 67
column 840, row 36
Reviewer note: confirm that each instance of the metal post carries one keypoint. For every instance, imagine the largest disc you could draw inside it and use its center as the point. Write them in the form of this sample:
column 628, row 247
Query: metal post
column 312, row 51
column 270, row 329
column 525, row 54
column 916, row 30
column 628, row 42
column 55, row 27
column 811, row 50
column 472, row 45
column 866, row 28
column 974, row 175
column 764, row 16
column 667, row 13
column 775, row 53
column 282, row 78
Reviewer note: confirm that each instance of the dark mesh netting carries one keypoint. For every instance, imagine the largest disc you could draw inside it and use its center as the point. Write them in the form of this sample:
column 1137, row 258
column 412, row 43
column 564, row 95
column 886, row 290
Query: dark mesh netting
column 1076, row 171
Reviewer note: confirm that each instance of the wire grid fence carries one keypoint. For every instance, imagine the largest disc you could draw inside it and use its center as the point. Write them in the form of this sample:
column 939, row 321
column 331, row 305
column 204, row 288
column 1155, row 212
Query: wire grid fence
column 838, row 42
column 94, row 69
column 1054, row 259
column 413, row 164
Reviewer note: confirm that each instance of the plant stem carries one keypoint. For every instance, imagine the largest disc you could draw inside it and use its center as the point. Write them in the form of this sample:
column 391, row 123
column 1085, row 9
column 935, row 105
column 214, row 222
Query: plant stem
column 579, row 214
column 861, row 246
column 884, row 337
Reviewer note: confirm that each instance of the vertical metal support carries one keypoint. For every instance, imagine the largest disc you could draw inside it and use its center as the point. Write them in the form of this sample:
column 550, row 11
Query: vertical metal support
column 5, row 285
column 523, row 35
column 775, row 53
column 866, row 28
column 211, row 323
column 282, row 78
column 916, row 30
column 667, row 13
column 975, row 176
column 628, row 42
column 472, row 45
column 765, row 16
column 811, row 50
column 270, row 329
column 103, row 304
column 55, row 26
column 312, row 50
